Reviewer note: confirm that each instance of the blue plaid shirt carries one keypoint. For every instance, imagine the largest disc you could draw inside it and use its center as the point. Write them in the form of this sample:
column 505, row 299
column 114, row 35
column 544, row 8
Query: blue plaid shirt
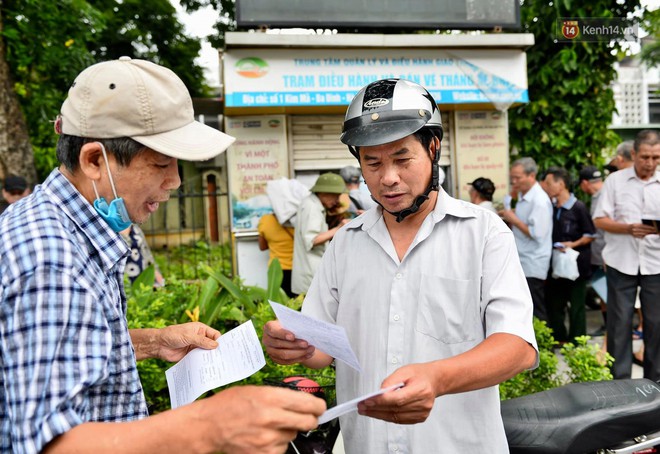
column 66, row 353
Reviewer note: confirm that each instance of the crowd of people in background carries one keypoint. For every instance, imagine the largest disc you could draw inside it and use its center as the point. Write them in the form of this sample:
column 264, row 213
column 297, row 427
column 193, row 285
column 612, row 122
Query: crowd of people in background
column 610, row 236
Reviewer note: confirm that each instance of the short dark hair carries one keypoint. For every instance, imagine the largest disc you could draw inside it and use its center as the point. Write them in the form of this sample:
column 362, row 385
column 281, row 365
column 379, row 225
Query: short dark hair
column 485, row 187
column 124, row 149
column 646, row 137
column 559, row 173
column 425, row 136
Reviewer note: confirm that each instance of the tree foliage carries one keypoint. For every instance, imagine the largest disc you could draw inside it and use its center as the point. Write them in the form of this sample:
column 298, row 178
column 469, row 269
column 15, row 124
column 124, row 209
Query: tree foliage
column 226, row 17
column 49, row 43
column 571, row 102
column 651, row 23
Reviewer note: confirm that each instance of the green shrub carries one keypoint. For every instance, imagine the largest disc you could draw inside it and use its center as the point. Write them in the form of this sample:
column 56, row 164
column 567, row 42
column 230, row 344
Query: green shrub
column 185, row 262
column 218, row 301
column 584, row 361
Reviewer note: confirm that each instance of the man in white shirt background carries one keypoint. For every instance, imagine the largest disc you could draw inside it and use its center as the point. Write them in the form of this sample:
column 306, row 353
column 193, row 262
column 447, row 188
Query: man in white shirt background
column 531, row 223
column 632, row 254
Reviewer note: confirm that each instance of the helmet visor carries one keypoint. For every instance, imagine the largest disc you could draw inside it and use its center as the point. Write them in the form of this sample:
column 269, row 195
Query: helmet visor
column 383, row 127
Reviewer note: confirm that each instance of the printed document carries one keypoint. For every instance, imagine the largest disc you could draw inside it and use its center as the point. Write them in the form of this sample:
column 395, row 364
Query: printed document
column 351, row 405
column 237, row 356
column 327, row 337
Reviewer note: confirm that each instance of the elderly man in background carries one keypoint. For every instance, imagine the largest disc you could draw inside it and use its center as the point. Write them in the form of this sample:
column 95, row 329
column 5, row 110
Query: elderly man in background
column 531, row 223
column 628, row 211
column 623, row 157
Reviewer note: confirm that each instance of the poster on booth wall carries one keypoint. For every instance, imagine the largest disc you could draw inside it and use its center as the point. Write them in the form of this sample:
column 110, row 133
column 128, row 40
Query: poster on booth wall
column 482, row 150
column 258, row 155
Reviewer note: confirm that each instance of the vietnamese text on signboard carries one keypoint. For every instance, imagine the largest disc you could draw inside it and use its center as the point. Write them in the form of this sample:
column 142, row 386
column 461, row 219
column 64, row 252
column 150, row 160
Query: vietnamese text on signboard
column 258, row 155
column 482, row 150
column 312, row 77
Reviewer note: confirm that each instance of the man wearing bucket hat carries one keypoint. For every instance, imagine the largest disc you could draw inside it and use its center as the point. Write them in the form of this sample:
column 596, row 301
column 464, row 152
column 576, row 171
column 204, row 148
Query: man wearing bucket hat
column 312, row 233
column 428, row 288
column 67, row 364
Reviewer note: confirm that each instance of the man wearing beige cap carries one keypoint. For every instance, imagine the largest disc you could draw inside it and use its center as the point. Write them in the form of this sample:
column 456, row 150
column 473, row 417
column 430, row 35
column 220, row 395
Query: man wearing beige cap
column 67, row 364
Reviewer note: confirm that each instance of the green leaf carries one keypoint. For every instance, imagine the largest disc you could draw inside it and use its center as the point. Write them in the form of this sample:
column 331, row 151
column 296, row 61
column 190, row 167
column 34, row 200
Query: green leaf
column 146, row 278
column 232, row 288
column 275, row 276
column 217, row 310
column 233, row 313
column 208, row 295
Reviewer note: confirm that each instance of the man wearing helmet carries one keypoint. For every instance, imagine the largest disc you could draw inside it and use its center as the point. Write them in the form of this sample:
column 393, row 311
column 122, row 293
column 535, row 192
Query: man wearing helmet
column 429, row 289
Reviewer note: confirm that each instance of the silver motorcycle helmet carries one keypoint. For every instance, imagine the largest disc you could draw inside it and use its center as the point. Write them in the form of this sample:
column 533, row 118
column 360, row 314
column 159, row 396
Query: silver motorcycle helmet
column 388, row 110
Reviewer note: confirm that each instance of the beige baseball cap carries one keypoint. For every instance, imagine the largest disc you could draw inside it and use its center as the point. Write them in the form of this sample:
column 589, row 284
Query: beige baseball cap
column 141, row 100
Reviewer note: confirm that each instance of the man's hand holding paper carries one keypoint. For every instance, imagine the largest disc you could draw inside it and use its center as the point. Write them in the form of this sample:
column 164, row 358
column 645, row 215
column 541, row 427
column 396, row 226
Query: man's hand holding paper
column 283, row 346
column 412, row 403
column 294, row 338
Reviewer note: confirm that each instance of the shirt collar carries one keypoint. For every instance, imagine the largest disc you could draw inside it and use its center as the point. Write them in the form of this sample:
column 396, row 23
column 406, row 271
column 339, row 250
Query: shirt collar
column 531, row 193
column 110, row 246
column 569, row 203
column 445, row 205
column 631, row 175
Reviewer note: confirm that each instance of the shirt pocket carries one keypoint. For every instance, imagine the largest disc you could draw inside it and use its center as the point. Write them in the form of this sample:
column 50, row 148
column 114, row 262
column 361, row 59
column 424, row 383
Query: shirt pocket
column 448, row 309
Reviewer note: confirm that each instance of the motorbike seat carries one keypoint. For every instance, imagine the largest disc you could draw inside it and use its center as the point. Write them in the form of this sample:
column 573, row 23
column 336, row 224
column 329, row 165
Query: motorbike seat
column 582, row 417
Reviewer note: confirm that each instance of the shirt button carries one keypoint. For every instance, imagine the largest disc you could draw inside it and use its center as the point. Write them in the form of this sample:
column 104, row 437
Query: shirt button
column 394, row 361
column 395, row 448
column 398, row 275
column 396, row 318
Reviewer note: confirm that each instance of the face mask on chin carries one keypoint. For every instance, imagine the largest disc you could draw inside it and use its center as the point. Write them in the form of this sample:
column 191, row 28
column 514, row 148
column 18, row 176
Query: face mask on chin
column 114, row 213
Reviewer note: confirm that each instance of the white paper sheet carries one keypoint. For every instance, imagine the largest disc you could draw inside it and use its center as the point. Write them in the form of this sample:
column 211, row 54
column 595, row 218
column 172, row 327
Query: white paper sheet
column 237, row 356
column 328, row 338
column 351, row 405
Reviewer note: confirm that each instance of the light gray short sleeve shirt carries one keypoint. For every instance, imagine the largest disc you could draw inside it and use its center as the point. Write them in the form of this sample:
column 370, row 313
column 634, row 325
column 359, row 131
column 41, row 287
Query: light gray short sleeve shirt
column 628, row 199
column 535, row 210
column 459, row 282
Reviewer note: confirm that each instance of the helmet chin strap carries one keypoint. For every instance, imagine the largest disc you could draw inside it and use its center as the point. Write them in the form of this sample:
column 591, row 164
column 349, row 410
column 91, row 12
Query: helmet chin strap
column 420, row 199
column 412, row 209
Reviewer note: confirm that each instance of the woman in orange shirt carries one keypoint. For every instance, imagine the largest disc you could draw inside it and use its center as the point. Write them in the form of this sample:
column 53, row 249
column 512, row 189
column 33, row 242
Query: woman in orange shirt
column 279, row 240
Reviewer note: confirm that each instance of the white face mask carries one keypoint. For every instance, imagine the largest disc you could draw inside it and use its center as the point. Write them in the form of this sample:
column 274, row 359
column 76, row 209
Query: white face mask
column 114, row 213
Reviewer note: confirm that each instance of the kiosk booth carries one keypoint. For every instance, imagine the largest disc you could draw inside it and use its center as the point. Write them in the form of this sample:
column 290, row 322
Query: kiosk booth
column 286, row 95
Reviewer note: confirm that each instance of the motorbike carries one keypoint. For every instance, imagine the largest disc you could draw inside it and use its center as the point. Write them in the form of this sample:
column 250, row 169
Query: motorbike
column 615, row 416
